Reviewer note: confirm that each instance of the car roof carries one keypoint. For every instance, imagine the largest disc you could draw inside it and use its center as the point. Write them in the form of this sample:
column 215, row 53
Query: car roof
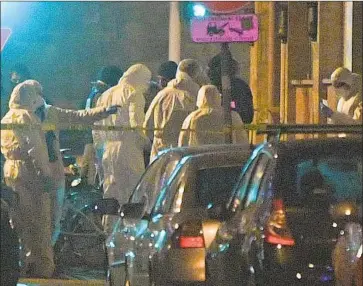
column 207, row 149
column 307, row 147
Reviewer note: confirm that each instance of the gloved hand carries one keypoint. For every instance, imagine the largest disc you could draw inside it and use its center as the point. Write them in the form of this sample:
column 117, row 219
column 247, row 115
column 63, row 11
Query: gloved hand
column 112, row 109
column 325, row 110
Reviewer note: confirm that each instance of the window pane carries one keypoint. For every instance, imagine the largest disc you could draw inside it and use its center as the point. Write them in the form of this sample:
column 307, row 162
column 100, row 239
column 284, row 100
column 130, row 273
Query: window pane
column 154, row 180
column 256, row 178
column 240, row 190
column 167, row 194
column 337, row 178
column 214, row 186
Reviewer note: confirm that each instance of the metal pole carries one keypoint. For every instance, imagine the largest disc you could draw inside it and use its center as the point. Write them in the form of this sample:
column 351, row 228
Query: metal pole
column 226, row 59
column 174, row 32
column 348, row 34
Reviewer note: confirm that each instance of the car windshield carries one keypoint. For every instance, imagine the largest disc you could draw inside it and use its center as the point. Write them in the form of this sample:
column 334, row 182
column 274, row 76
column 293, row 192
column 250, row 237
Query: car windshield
column 214, row 185
column 340, row 178
column 154, row 179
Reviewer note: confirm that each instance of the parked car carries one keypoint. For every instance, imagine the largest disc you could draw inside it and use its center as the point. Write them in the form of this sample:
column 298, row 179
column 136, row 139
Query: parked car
column 286, row 212
column 172, row 216
column 10, row 245
column 347, row 255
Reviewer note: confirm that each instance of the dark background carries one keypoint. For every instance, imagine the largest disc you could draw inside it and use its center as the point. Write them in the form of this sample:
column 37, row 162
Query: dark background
column 65, row 43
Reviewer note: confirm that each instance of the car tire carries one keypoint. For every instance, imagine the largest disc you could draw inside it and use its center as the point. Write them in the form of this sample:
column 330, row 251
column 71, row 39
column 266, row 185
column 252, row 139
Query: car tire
column 153, row 281
column 257, row 278
column 116, row 276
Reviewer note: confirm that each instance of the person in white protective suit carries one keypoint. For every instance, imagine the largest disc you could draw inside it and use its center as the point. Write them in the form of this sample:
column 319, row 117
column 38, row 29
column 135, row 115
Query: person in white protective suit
column 123, row 159
column 206, row 124
column 91, row 170
column 348, row 86
column 172, row 105
column 34, row 169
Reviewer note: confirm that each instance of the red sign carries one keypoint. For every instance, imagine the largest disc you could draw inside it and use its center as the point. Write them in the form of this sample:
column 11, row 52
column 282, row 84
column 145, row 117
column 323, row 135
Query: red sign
column 226, row 7
column 5, row 35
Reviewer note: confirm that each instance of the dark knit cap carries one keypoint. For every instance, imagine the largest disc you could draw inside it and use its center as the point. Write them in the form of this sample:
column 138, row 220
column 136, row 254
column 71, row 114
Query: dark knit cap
column 110, row 75
column 22, row 70
column 168, row 70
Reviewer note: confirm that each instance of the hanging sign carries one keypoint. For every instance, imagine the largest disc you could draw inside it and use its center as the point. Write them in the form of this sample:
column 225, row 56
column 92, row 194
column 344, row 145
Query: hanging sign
column 225, row 29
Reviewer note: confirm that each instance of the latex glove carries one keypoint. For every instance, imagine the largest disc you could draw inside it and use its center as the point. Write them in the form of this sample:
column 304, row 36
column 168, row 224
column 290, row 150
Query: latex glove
column 112, row 109
column 325, row 110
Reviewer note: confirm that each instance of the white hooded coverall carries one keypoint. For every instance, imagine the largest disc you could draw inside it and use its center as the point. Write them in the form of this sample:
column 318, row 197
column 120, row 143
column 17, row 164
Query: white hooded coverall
column 123, row 160
column 18, row 145
column 25, row 170
column 55, row 115
column 206, row 124
column 171, row 106
column 349, row 108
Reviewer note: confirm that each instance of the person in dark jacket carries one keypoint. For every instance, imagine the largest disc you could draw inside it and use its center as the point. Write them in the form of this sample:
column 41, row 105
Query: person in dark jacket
column 107, row 77
column 166, row 72
column 241, row 95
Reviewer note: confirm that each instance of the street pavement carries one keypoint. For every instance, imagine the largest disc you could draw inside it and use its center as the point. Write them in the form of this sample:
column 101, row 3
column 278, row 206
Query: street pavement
column 71, row 276
column 59, row 282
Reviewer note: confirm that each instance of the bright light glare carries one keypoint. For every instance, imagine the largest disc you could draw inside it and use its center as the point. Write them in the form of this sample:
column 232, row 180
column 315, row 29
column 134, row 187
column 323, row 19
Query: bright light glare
column 199, row 10
column 5, row 7
column 359, row 254
column 298, row 275
column 14, row 12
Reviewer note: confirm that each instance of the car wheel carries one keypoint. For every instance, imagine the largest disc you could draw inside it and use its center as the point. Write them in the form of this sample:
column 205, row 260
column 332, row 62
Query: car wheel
column 251, row 281
column 151, row 277
column 116, row 275
column 256, row 277
column 153, row 281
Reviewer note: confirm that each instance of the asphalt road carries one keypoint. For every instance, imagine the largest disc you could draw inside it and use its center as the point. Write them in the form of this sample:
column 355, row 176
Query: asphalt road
column 72, row 276
column 59, row 282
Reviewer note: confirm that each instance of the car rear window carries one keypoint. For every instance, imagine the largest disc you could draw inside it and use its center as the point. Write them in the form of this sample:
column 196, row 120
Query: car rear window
column 333, row 178
column 214, row 185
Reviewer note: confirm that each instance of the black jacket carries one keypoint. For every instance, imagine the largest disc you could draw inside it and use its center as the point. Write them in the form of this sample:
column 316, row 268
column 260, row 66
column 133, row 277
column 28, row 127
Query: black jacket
column 242, row 96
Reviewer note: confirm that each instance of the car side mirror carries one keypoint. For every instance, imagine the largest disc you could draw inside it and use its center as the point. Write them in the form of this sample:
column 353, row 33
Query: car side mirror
column 109, row 206
column 133, row 211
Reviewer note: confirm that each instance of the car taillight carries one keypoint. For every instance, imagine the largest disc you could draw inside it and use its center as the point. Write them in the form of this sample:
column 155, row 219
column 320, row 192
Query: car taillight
column 189, row 235
column 276, row 230
column 191, row 242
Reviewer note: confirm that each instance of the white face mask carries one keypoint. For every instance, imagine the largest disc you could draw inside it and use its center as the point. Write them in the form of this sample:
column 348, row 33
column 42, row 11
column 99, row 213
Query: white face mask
column 343, row 92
